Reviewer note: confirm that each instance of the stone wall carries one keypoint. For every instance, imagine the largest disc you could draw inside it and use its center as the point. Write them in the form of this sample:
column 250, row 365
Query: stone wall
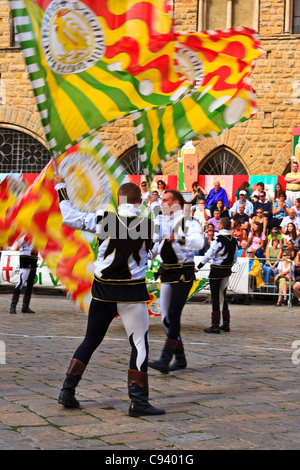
column 263, row 144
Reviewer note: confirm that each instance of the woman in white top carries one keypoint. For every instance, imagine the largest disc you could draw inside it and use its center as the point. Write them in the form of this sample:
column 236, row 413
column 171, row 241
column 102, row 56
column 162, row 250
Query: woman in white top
column 286, row 274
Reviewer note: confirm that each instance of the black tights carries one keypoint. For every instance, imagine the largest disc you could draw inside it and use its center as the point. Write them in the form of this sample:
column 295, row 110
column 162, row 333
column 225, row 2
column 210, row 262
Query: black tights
column 218, row 288
column 173, row 299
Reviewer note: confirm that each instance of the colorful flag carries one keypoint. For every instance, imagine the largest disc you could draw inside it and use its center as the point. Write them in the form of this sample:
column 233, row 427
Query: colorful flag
column 220, row 62
column 11, row 189
column 93, row 61
column 69, row 254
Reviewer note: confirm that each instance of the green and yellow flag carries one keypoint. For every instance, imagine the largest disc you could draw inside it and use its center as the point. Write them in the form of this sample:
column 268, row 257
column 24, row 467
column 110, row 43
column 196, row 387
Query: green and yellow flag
column 93, row 61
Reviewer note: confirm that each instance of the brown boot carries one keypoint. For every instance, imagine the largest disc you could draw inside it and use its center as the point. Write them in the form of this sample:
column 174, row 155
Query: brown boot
column 166, row 356
column 226, row 321
column 67, row 394
column 138, row 392
column 26, row 302
column 180, row 359
column 215, row 323
column 13, row 305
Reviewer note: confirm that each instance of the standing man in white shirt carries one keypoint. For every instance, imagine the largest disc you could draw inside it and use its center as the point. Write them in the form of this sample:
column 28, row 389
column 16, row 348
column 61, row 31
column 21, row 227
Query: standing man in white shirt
column 119, row 288
column 222, row 254
column 28, row 265
column 177, row 236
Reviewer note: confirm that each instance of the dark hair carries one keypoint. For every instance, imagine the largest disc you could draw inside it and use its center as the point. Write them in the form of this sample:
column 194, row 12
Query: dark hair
column 259, row 227
column 282, row 193
column 131, row 191
column 294, row 231
column 237, row 222
column 261, row 184
column 222, row 204
column 244, row 186
column 278, row 192
column 225, row 222
column 161, row 181
column 195, row 183
column 177, row 196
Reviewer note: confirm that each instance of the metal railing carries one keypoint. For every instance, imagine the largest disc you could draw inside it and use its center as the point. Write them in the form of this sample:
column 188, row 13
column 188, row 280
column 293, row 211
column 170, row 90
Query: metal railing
column 261, row 290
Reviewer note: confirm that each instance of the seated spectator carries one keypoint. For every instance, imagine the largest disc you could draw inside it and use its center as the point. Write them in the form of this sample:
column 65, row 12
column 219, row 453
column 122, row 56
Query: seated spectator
column 223, row 210
column 200, row 213
column 238, row 233
column 277, row 191
column 292, row 249
column 209, row 236
column 242, row 199
column 291, row 234
column 257, row 239
column 215, row 220
column 291, row 217
column 273, row 254
column 161, row 187
column 286, row 274
column 145, row 191
column 296, row 206
column 261, row 219
column 279, row 211
column 254, row 270
column 242, row 217
column 243, row 251
column 275, row 233
column 244, row 187
column 198, row 194
column 259, row 188
column 297, row 264
column 296, row 291
column 209, row 227
column 264, row 204
column 154, row 203
column 214, row 195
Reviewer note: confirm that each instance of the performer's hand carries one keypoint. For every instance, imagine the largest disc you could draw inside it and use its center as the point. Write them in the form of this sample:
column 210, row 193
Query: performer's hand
column 200, row 265
column 172, row 237
column 58, row 179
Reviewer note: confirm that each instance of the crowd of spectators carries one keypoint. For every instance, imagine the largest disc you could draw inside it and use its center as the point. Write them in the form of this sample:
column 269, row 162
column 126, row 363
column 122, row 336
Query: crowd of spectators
column 266, row 226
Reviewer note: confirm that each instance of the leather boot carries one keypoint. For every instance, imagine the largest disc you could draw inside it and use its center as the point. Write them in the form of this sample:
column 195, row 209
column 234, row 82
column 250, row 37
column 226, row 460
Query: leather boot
column 138, row 392
column 166, row 356
column 25, row 306
column 215, row 323
column 13, row 305
column 180, row 359
column 226, row 321
column 67, row 394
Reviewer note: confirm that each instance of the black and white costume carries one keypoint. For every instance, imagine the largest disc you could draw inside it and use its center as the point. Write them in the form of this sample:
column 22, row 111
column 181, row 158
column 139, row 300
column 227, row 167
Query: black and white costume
column 222, row 254
column 119, row 286
column 28, row 265
column 177, row 274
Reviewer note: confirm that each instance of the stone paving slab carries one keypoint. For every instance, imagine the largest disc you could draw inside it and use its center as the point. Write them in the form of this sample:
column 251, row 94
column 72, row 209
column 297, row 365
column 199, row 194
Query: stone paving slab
column 240, row 390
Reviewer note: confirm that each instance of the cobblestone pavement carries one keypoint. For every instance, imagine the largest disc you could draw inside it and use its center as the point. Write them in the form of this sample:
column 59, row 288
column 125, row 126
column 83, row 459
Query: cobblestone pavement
column 240, row 390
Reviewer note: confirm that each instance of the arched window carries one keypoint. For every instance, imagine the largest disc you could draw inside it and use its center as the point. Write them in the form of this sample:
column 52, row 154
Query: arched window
column 222, row 162
column 131, row 162
column 21, row 153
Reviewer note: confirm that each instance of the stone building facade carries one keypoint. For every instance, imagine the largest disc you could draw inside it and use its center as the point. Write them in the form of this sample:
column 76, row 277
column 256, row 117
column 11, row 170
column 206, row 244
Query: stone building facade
column 262, row 145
